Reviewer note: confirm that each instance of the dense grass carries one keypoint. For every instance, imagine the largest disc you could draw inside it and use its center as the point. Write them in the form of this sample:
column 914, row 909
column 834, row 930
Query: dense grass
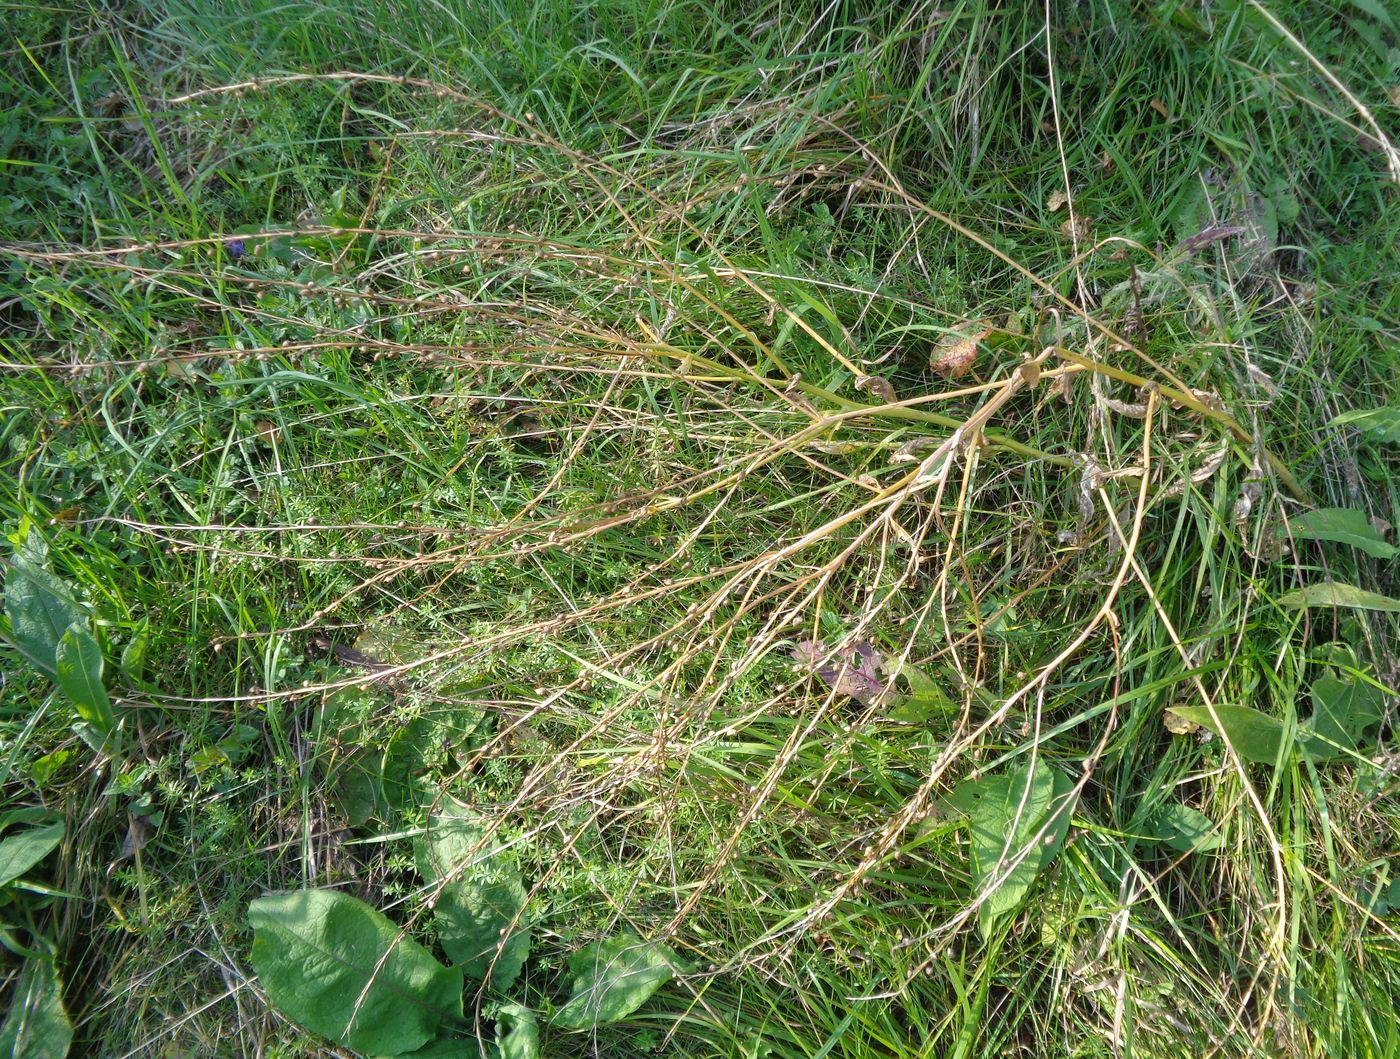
column 542, row 371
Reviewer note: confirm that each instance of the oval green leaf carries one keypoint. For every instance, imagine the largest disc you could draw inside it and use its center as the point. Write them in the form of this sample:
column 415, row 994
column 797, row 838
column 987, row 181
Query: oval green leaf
column 20, row 852
column 1343, row 710
column 482, row 899
column 1018, row 823
column 1254, row 735
column 334, row 964
column 1337, row 594
column 1342, row 525
column 37, row 1027
column 517, row 1032
column 1182, row 828
column 40, row 610
column 1382, row 423
column 79, row 663
column 613, row 978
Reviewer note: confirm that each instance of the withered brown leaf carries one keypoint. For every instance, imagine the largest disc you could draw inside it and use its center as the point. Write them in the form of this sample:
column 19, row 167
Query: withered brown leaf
column 956, row 352
column 878, row 387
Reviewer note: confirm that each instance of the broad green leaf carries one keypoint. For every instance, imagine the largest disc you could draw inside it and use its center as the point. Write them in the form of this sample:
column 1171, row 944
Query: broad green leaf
column 517, row 1033
column 1382, row 423
column 133, row 660
column 408, row 757
column 1345, row 526
column 1254, row 735
column 40, row 609
column 1342, row 712
column 1015, row 836
column 926, row 699
column 20, row 852
column 613, row 978
column 37, row 1027
column 1181, row 827
column 968, row 793
column 1337, row 594
column 448, row 1048
column 79, row 662
column 45, row 768
column 482, row 897
column 1376, row 9
column 334, row 964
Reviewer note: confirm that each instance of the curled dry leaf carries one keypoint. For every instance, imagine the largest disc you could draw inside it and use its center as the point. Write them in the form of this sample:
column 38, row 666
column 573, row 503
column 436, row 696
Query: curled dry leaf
column 878, row 387
column 1080, row 227
column 956, row 351
column 1056, row 201
column 914, row 449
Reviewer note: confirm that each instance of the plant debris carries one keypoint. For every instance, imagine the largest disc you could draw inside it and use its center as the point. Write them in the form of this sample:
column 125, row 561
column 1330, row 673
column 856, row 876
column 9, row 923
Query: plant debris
column 856, row 672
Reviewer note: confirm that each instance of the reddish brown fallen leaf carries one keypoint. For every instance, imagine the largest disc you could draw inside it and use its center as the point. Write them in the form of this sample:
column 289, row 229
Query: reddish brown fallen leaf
column 956, row 352
column 856, row 674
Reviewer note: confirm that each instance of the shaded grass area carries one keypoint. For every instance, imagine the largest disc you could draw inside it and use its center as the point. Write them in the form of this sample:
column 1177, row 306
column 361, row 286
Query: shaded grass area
column 529, row 351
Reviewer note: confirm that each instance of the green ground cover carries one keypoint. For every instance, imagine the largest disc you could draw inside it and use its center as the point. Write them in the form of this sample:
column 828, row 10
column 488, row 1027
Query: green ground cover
column 653, row 528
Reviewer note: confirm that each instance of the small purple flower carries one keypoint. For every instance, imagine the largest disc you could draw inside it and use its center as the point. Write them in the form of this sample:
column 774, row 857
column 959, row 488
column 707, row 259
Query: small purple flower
column 235, row 248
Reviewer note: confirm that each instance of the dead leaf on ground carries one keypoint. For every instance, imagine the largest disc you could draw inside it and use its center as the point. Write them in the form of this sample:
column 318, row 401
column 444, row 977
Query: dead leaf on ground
column 265, row 431
column 956, row 351
column 1056, row 200
column 1161, row 108
column 183, row 367
column 856, row 673
column 138, row 833
column 877, row 387
column 1080, row 227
